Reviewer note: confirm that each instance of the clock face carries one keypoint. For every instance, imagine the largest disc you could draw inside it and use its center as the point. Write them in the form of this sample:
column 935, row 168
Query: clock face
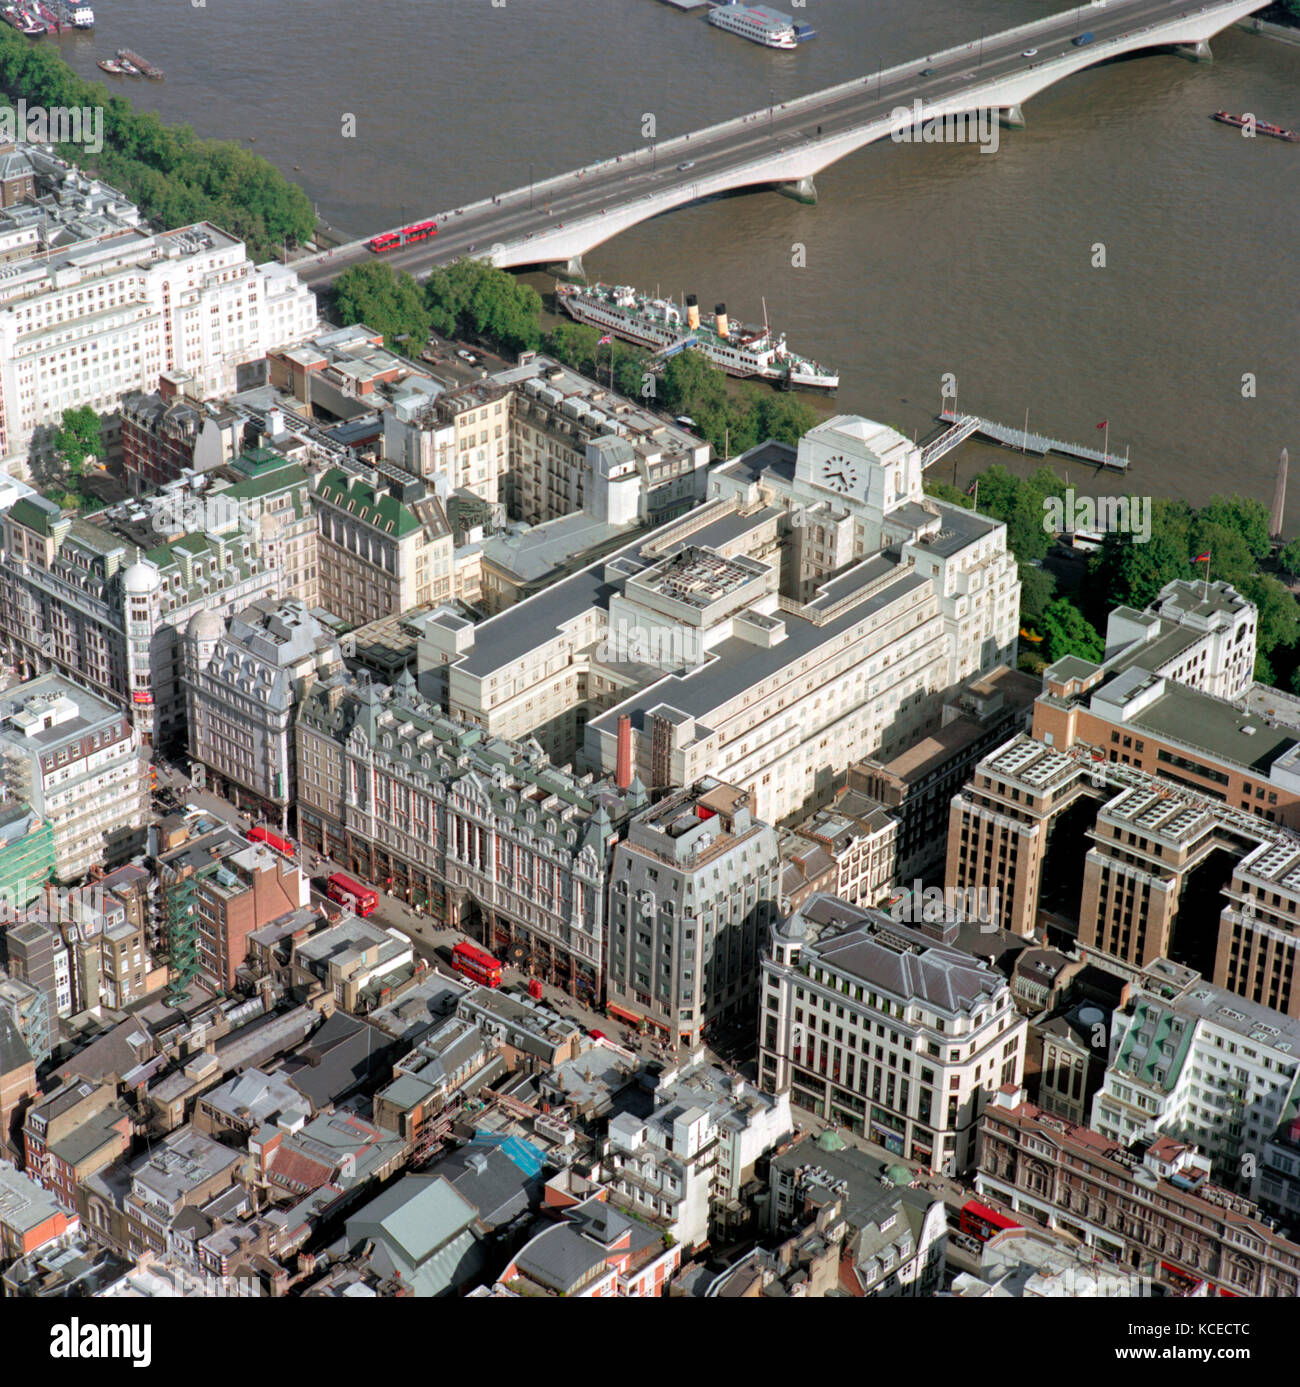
column 838, row 473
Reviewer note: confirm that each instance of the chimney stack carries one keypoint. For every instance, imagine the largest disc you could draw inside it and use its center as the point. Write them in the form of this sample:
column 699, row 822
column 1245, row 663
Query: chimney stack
column 623, row 763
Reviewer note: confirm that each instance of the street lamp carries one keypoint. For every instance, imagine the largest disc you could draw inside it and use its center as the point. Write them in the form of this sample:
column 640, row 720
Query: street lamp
column 530, row 186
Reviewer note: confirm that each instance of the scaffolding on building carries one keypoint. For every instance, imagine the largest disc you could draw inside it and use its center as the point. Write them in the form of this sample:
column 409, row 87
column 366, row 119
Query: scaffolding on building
column 182, row 939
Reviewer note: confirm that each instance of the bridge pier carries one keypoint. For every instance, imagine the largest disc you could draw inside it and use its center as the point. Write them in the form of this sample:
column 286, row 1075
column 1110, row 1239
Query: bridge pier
column 802, row 190
column 1198, row 52
column 572, row 268
column 1011, row 117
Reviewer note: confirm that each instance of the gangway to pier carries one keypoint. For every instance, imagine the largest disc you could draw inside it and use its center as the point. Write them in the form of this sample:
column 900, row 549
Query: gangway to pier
column 964, row 425
column 674, row 347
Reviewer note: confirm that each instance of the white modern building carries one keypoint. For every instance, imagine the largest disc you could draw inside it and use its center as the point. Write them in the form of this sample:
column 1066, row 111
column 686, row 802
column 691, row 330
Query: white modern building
column 818, row 608
column 96, row 312
column 1202, row 1065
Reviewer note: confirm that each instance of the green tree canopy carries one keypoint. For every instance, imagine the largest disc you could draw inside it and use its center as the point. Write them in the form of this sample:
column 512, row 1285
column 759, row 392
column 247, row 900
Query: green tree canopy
column 1019, row 502
column 1037, row 587
column 945, row 491
column 1066, row 632
column 387, row 300
column 79, row 437
column 1289, row 557
column 1244, row 516
column 1279, row 614
column 474, row 298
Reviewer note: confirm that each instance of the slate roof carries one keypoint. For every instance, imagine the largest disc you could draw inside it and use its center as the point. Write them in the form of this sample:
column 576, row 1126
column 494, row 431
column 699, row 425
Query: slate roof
column 13, row 1052
column 868, row 944
column 341, row 1056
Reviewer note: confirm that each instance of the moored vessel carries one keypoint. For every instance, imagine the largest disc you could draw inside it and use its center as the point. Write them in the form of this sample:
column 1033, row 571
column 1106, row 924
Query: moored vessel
column 667, row 328
column 758, row 23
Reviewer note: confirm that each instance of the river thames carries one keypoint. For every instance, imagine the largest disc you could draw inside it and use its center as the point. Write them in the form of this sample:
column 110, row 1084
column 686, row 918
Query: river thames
column 921, row 259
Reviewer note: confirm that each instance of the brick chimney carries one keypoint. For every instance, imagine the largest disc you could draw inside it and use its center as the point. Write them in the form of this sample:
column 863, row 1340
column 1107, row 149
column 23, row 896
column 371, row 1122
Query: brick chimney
column 623, row 763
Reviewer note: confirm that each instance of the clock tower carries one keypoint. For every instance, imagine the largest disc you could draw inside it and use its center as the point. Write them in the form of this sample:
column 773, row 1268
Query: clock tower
column 859, row 461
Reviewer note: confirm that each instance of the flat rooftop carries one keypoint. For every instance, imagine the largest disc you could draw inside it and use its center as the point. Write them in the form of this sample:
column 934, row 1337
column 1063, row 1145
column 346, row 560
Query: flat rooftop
column 1215, row 726
column 735, row 665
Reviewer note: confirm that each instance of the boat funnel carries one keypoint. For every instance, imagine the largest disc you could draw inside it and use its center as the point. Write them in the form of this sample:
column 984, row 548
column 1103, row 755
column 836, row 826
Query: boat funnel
column 692, row 312
column 720, row 319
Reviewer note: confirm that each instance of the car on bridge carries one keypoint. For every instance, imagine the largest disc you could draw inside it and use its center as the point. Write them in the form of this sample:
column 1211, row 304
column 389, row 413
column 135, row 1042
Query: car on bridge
column 1030, row 53
column 689, row 164
column 926, row 72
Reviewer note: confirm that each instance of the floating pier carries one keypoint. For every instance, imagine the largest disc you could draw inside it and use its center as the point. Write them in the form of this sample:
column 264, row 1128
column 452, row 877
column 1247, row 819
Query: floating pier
column 137, row 61
column 964, row 425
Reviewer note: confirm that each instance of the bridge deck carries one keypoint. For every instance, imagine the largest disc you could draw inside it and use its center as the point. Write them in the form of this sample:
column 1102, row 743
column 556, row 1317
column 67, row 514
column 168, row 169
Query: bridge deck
column 964, row 425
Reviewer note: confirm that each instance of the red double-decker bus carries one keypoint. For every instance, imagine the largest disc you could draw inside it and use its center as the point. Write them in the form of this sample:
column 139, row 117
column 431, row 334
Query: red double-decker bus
column 979, row 1221
column 390, row 240
column 352, row 893
column 475, row 964
column 272, row 840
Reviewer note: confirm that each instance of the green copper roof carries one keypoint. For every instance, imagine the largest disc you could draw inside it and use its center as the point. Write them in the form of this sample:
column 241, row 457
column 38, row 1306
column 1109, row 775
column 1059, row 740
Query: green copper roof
column 27, row 513
column 281, row 478
column 1153, row 1066
column 373, row 507
column 829, row 1141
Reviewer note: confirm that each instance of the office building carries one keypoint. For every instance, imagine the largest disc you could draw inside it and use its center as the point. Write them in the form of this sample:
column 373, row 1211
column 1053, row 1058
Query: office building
column 30, row 1217
column 486, row 834
column 173, row 430
column 98, row 311
column 1191, row 1061
column 693, row 890
column 891, row 1237
column 1151, row 1207
column 216, row 890
column 877, row 1027
column 77, row 762
column 384, row 546
column 105, row 603
column 1136, row 865
column 684, row 1167
column 916, row 786
column 742, row 646
column 858, row 838
column 243, row 680
column 27, row 858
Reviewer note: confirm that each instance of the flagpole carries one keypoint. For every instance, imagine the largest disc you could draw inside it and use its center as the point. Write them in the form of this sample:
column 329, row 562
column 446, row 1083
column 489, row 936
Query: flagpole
column 1205, row 589
column 1105, row 444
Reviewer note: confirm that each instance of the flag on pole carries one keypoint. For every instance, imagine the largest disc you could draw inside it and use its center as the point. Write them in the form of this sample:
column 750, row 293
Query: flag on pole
column 1203, row 558
column 607, row 338
column 1103, row 423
